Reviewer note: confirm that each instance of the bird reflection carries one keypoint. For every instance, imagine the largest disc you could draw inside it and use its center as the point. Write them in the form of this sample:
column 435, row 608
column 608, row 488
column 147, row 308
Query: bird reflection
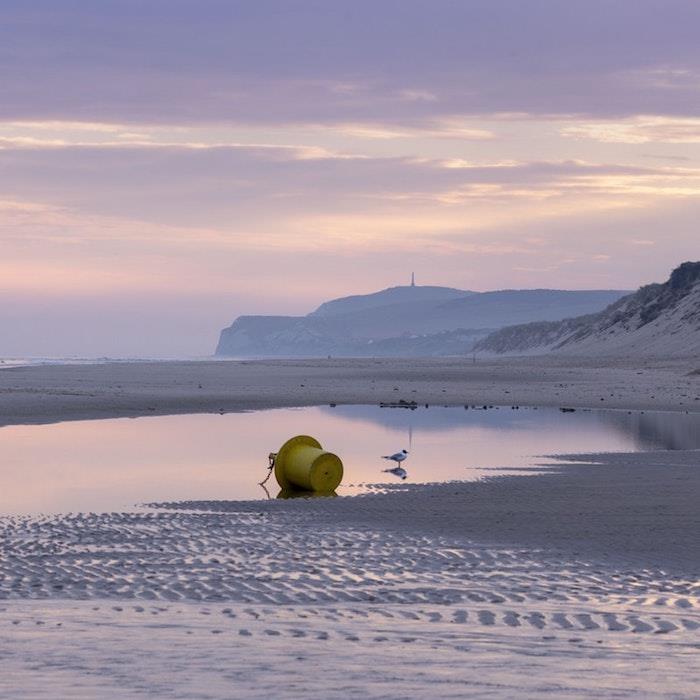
column 397, row 471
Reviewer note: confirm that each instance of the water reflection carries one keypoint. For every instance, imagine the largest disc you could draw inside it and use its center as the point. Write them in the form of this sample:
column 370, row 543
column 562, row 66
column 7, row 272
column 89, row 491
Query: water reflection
column 646, row 430
column 113, row 464
column 289, row 493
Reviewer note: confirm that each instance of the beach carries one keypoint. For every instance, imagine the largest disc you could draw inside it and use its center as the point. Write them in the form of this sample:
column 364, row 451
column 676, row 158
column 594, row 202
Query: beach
column 580, row 580
column 45, row 394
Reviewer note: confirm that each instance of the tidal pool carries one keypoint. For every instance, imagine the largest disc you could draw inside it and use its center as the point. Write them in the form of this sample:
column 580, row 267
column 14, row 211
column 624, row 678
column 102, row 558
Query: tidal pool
column 117, row 463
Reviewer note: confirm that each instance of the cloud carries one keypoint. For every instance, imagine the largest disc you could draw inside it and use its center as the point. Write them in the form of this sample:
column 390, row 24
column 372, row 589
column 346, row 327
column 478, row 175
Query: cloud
column 265, row 194
column 417, row 95
column 440, row 129
column 308, row 62
column 667, row 156
column 66, row 126
column 63, row 135
column 639, row 129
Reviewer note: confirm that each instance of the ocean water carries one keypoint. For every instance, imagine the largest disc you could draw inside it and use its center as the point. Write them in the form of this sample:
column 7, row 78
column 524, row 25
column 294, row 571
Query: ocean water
column 7, row 362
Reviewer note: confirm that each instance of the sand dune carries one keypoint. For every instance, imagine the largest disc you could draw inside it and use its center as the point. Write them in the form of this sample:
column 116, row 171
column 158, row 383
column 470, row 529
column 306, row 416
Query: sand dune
column 660, row 320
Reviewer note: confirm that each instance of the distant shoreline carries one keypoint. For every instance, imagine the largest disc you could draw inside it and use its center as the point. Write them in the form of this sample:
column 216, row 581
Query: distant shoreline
column 54, row 393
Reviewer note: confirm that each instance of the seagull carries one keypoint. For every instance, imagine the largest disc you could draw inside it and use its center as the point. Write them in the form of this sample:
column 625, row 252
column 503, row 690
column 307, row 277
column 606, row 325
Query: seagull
column 398, row 457
column 397, row 471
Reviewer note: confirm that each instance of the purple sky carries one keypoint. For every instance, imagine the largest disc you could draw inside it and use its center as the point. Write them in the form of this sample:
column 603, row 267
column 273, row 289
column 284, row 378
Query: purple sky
column 168, row 165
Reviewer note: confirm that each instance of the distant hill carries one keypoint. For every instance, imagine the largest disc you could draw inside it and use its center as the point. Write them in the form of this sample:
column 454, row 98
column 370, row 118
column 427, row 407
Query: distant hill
column 402, row 321
column 386, row 314
column 392, row 296
column 511, row 306
column 658, row 319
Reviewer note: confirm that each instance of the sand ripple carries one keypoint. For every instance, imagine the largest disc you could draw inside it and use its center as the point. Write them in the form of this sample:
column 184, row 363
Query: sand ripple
column 261, row 559
column 384, row 593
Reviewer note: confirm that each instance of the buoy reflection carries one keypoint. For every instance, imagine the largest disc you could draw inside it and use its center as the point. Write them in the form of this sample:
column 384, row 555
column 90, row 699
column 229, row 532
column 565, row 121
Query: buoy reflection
column 289, row 493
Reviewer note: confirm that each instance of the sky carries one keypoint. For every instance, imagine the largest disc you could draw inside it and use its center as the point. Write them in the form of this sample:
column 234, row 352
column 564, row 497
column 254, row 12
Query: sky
column 166, row 166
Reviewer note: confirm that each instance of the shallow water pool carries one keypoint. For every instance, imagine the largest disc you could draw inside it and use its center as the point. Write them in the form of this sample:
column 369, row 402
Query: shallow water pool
column 117, row 463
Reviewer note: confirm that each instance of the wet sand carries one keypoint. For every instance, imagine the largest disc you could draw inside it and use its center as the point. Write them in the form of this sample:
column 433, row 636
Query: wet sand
column 579, row 582
column 45, row 394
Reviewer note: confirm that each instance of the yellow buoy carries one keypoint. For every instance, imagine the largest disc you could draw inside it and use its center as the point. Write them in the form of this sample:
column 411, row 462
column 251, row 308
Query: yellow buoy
column 303, row 464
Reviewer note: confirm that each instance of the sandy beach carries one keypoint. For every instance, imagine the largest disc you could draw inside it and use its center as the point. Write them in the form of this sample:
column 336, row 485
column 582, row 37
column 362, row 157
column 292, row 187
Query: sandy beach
column 581, row 581
column 570, row 583
column 45, row 394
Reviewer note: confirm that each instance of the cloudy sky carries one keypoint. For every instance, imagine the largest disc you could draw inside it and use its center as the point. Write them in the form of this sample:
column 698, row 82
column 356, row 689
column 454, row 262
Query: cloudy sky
column 166, row 165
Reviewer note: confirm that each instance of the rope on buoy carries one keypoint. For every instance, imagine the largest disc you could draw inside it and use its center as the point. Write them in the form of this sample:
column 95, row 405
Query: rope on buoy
column 271, row 458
